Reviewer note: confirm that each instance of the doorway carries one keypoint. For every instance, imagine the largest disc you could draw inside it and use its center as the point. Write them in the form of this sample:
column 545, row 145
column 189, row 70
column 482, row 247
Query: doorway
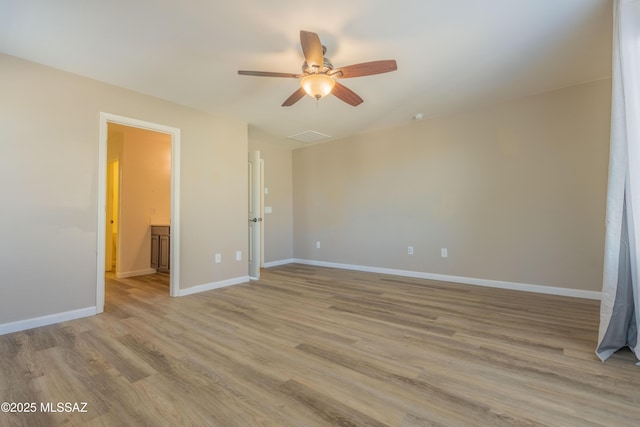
column 173, row 134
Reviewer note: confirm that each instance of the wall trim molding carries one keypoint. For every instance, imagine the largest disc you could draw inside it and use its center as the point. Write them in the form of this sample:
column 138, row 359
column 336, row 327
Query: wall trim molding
column 22, row 325
column 124, row 275
column 213, row 285
column 540, row 289
column 280, row 262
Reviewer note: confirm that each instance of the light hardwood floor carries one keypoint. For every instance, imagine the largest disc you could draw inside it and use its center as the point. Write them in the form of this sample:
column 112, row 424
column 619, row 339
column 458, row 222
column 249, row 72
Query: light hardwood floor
column 309, row 346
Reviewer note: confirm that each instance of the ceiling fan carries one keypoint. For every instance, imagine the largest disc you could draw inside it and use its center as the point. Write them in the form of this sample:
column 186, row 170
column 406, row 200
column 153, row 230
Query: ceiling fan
column 318, row 77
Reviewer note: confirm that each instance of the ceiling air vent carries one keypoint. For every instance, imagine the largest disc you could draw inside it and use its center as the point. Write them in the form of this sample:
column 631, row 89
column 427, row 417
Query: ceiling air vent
column 309, row 136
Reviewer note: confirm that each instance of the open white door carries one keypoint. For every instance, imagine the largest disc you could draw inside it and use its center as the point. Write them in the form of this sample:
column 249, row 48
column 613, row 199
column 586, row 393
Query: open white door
column 255, row 216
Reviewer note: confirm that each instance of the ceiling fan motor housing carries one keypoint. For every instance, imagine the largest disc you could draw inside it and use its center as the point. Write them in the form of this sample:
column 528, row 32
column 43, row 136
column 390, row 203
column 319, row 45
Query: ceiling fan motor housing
column 308, row 69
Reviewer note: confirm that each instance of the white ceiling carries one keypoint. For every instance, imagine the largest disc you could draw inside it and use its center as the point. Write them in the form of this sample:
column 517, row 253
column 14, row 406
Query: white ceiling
column 450, row 53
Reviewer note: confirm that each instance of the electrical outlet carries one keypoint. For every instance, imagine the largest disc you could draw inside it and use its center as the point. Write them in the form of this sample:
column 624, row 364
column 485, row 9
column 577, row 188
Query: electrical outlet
column 218, row 258
column 443, row 252
column 410, row 250
column 238, row 255
column 318, row 244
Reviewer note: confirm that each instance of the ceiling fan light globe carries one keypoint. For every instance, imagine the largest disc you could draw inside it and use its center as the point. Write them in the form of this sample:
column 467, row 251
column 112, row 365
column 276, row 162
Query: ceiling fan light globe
column 317, row 85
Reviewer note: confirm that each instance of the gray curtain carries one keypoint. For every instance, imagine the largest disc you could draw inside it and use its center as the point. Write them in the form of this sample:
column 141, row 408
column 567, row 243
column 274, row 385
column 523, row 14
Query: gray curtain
column 622, row 328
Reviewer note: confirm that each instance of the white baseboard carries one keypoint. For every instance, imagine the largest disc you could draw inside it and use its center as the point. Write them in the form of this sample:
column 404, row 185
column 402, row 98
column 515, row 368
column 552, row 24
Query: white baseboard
column 124, row 275
column 280, row 262
column 541, row 289
column 213, row 285
column 21, row 325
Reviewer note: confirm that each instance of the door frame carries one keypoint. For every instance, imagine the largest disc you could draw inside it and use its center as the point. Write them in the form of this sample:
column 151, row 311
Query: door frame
column 262, row 226
column 174, row 275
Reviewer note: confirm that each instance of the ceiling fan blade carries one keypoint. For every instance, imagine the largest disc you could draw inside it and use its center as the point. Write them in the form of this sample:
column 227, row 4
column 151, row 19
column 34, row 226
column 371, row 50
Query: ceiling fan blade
column 312, row 49
column 365, row 69
column 346, row 94
column 268, row 74
column 295, row 97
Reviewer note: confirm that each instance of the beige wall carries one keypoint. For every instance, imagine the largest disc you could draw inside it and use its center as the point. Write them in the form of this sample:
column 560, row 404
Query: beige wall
column 49, row 123
column 278, row 225
column 145, row 196
column 515, row 192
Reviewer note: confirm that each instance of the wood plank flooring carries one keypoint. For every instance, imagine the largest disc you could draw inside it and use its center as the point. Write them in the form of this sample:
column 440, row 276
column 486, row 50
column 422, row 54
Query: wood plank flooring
column 309, row 346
